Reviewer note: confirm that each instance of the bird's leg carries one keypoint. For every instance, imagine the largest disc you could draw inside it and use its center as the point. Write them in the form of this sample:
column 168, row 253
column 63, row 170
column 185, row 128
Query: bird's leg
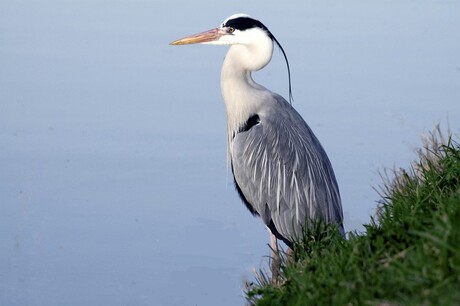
column 289, row 256
column 275, row 262
column 289, row 253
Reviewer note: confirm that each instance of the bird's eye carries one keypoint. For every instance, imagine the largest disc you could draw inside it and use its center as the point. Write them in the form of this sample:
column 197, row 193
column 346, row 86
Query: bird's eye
column 231, row 30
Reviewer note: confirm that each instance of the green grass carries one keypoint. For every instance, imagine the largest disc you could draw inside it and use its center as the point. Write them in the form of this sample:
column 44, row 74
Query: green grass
column 409, row 255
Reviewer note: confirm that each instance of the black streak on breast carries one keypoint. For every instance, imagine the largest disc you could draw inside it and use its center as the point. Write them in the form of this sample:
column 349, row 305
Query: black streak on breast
column 253, row 120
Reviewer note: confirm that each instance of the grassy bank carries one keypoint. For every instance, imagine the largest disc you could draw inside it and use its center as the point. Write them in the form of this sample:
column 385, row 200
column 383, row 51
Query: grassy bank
column 409, row 255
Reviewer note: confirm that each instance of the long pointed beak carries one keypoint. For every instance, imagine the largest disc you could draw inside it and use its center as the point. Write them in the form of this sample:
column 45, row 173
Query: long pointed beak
column 208, row 36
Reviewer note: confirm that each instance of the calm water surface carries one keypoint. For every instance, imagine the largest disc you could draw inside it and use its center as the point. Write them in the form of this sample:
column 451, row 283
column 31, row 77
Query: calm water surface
column 114, row 188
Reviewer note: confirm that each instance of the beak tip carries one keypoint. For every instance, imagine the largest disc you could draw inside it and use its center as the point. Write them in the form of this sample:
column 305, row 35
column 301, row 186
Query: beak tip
column 178, row 42
column 204, row 37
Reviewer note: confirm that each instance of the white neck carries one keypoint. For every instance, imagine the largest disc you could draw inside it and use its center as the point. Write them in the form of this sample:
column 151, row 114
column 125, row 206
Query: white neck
column 242, row 96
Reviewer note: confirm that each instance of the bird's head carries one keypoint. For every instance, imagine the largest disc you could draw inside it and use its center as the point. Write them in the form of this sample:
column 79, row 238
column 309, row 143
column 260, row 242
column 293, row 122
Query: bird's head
column 240, row 29
column 236, row 29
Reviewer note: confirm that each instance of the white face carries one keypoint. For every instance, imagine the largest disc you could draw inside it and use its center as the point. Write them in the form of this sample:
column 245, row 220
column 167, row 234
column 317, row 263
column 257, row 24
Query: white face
column 227, row 35
column 232, row 36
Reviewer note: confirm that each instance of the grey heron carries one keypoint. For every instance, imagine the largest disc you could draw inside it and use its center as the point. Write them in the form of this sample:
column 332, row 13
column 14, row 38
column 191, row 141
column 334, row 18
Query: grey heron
column 280, row 169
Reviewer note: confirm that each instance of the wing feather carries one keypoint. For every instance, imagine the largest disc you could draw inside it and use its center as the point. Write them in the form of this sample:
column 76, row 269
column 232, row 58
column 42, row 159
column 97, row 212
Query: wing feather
column 284, row 173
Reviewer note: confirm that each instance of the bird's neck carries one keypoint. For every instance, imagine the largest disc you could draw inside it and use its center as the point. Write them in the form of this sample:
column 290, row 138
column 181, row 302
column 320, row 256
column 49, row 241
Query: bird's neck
column 238, row 90
column 241, row 94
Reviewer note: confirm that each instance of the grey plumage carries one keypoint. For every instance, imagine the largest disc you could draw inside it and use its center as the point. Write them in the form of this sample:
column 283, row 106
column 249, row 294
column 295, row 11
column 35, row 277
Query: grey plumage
column 284, row 173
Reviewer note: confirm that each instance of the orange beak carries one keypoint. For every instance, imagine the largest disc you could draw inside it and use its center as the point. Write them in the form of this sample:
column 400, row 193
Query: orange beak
column 204, row 37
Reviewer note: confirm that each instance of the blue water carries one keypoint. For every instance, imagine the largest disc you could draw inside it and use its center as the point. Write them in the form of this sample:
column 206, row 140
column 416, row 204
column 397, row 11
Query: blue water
column 114, row 188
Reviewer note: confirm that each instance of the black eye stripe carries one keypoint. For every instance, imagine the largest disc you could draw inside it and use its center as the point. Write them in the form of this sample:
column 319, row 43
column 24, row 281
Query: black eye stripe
column 244, row 23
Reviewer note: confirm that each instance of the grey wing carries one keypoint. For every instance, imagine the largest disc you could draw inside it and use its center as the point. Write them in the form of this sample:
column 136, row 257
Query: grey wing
column 284, row 173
